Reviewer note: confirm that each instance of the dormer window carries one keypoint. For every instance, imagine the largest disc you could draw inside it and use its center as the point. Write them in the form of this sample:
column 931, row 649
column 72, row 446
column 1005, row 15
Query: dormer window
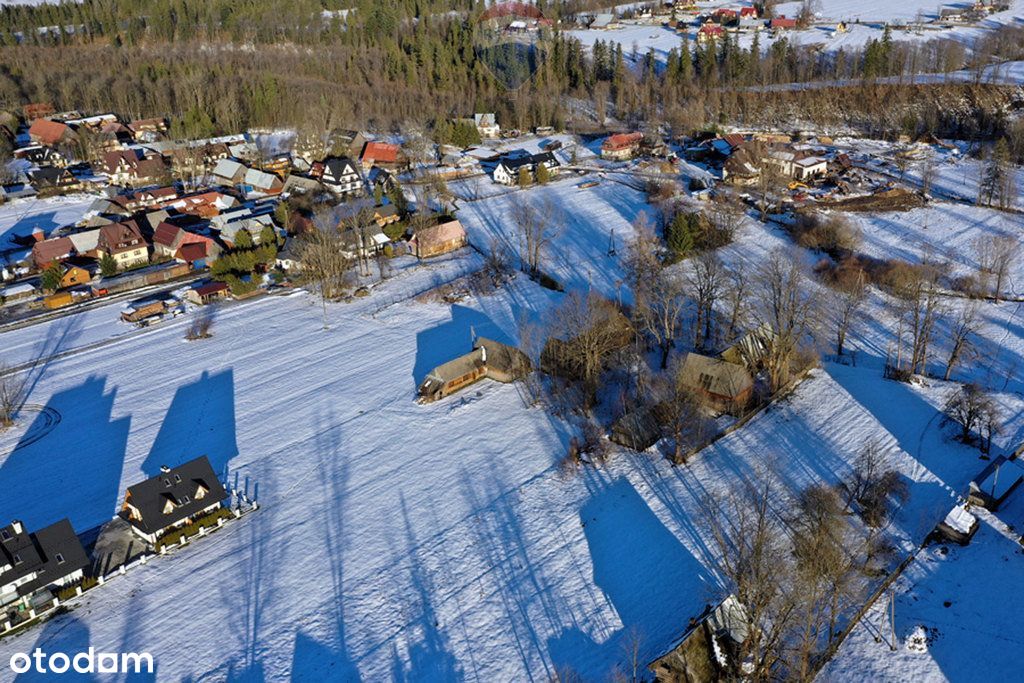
column 185, row 499
column 177, row 478
column 167, row 482
column 60, row 558
column 5, row 535
column 17, row 558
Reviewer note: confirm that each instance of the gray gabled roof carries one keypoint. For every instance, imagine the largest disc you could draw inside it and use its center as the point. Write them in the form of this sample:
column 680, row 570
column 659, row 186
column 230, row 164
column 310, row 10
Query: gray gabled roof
column 179, row 485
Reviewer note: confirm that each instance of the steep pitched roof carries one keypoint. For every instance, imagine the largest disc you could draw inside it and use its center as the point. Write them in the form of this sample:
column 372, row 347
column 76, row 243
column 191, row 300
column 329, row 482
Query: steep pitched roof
column 175, row 494
column 117, row 237
column 48, row 132
column 167, row 235
column 47, row 251
column 51, row 553
column 441, row 233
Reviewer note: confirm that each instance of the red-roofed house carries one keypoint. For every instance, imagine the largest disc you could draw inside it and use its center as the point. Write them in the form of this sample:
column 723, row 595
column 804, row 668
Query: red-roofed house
column 782, row 23
column 621, row 146
column 172, row 241
column 709, row 32
column 50, row 251
column 748, row 13
column 50, row 133
column 124, row 243
column 207, row 293
column 381, row 154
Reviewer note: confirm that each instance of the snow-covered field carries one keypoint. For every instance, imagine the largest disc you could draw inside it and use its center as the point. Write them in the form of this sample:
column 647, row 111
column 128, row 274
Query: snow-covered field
column 966, row 603
column 20, row 217
column 399, row 541
column 865, row 19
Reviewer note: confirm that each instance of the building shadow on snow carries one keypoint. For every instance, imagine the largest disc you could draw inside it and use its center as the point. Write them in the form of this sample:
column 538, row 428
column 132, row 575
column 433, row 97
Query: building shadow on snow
column 75, row 469
column 451, row 339
column 199, row 421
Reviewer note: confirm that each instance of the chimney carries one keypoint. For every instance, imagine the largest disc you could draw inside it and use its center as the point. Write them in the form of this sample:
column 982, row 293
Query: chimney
column 483, row 354
column 165, row 469
column 18, row 527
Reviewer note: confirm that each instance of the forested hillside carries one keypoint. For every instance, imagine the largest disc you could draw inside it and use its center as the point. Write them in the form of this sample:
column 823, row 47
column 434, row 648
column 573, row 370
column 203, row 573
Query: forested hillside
column 225, row 65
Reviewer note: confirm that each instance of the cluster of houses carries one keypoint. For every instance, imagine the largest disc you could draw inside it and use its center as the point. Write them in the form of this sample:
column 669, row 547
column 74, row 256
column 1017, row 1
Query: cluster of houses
column 36, row 565
column 170, row 208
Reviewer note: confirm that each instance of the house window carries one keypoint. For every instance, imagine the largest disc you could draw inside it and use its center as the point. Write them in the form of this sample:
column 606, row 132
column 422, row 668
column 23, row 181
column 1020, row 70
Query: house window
column 17, row 558
column 705, row 382
column 167, row 483
column 5, row 535
column 60, row 558
column 177, row 479
column 185, row 499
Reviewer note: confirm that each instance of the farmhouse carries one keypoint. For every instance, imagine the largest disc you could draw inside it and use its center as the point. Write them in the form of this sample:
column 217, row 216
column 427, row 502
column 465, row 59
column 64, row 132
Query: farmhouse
column 722, row 384
column 52, row 178
column 33, row 563
column 447, row 236
column 487, row 125
column 488, row 358
column 507, row 170
column 621, row 146
column 124, row 243
column 172, row 498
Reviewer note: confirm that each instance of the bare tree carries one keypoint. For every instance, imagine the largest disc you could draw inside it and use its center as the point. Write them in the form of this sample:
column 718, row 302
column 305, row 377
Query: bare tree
column 681, row 413
column 961, row 333
column 1005, row 250
column 535, row 228
column 769, row 181
column 874, row 486
column 985, row 256
column 585, row 330
column 705, row 283
column 921, row 306
column 971, row 408
column 325, row 265
column 787, row 310
column 847, row 299
column 201, row 325
column 12, row 395
column 753, row 555
column 736, row 294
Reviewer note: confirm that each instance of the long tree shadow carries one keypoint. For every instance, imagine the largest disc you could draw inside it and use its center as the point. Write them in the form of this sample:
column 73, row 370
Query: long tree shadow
column 313, row 660
column 650, row 580
column 199, row 421
column 451, row 339
column 78, row 462
column 429, row 656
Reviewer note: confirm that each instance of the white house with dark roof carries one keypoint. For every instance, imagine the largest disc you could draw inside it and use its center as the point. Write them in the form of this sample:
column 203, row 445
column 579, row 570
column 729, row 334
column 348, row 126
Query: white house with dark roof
column 173, row 498
column 31, row 564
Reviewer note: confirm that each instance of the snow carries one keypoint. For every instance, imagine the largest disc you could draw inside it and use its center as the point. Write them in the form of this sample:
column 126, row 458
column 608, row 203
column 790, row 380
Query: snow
column 441, row 541
column 957, row 613
column 585, row 220
column 397, row 540
column 959, row 519
column 20, row 217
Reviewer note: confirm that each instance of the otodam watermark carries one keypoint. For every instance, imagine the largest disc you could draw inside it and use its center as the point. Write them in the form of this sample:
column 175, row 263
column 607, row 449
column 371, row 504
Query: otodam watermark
column 86, row 662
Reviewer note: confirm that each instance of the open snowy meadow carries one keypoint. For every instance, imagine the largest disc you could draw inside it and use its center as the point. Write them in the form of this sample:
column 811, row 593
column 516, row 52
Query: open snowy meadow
column 398, row 541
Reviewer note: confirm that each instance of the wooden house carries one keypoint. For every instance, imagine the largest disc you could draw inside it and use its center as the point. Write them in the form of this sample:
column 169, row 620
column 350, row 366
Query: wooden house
column 447, row 236
column 488, row 359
